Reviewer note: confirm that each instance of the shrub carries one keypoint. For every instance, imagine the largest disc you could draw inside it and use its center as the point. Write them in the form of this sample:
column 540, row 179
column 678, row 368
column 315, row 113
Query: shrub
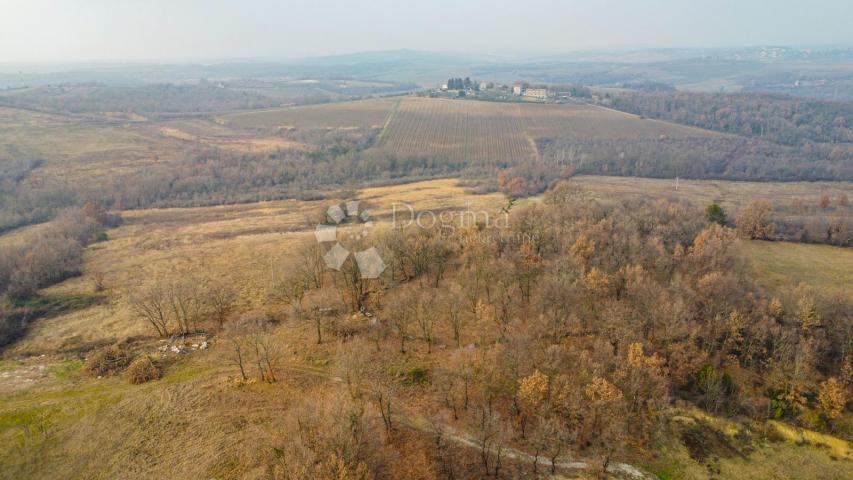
column 715, row 214
column 107, row 361
column 416, row 376
column 142, row 370
column 13, row 323
column 754, row 221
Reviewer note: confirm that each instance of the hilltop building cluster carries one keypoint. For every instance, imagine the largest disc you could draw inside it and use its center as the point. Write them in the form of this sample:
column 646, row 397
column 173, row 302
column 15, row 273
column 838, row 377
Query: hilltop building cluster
column 524, row 90
column 518, row 91
column 459, row 87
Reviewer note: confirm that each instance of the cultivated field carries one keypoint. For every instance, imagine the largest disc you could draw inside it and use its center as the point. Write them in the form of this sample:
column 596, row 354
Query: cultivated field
column 483, row 131
column 467, row 130
column 593, row 122
column 491, row 131
column 477, row 131
column 362, row 114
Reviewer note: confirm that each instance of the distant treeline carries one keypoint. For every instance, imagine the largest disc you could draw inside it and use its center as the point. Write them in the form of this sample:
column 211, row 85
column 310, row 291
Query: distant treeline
column 167, row 99
column 146, row 100
column 214, row 176
column 732, row 158
column 778, row 118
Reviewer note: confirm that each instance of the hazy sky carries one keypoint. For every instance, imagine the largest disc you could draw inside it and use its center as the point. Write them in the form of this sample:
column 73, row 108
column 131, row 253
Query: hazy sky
column 72, row 30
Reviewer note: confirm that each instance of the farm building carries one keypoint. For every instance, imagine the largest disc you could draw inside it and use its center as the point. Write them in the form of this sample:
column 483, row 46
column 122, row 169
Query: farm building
column 536, row 93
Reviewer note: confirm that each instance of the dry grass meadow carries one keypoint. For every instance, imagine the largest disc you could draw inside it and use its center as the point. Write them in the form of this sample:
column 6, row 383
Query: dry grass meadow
column 247, row 243
column 790, row 200
column 785, row 265
column 730, row 195
column 95, row 149
column 89, row 150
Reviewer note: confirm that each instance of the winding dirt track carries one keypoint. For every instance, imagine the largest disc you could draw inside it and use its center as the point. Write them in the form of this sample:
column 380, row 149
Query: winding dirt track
column 419, row 423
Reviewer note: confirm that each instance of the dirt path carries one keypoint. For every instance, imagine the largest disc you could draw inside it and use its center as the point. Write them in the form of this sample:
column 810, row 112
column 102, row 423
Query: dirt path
column 421, row 424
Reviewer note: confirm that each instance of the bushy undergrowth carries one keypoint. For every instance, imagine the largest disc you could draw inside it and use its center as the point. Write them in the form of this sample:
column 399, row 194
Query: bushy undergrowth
column 142, row 370
column 106, row 361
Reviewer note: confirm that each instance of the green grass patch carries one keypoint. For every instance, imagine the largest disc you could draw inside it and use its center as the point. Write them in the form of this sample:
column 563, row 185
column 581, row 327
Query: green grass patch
column 49, row 305
column 66, row 370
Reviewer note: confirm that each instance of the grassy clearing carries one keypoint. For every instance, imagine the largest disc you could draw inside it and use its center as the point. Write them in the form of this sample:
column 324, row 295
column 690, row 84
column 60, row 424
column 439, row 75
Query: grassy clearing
column 79, row 148
column 701, row 446
column 729, row 194
column 207, row 133
column 781, row 265
column 79, row 429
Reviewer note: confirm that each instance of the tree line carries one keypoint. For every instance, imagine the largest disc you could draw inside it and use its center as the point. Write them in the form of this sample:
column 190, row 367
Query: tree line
column 777, row 118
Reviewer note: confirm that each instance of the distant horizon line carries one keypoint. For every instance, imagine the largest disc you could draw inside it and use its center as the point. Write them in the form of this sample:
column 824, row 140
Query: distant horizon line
column 505, row 55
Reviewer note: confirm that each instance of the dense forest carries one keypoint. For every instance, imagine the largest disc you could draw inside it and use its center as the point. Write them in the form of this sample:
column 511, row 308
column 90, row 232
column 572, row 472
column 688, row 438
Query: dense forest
column 778, row 118
column 730, row 158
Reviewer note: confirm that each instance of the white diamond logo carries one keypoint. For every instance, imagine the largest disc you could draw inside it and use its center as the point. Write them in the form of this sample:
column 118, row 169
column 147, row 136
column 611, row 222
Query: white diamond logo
column 335, row 213
column 336, row 256
column 370, row 263
column 352, row 208
column 326, row 233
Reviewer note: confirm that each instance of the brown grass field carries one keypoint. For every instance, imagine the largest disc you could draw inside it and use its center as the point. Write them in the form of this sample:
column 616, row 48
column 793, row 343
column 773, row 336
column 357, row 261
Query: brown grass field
column 75, row 148
column 95, row 149
column 784, row 265
column 198, row 132
column 728, row 194
column 247, row 243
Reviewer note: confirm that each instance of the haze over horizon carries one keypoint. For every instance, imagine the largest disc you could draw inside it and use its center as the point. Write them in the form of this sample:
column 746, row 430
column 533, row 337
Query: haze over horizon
column 103, row 30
